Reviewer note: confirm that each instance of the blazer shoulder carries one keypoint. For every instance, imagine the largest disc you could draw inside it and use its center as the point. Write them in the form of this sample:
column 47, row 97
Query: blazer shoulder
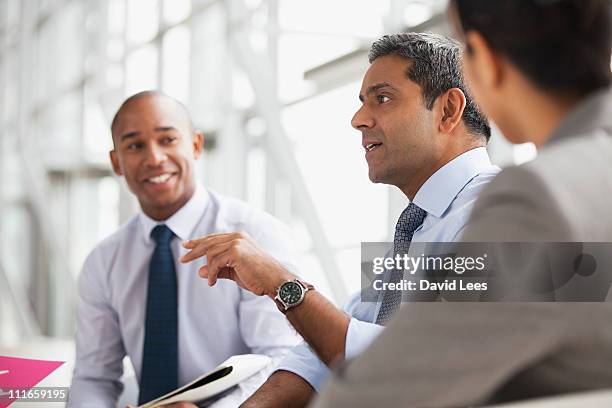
column 518, row 205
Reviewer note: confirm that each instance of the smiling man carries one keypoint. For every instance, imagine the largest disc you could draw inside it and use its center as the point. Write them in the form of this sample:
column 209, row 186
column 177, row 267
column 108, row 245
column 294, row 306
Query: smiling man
column 137, row 300
column 422, row 133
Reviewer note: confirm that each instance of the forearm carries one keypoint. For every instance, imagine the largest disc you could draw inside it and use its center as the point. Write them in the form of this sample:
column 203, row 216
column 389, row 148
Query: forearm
column 236, row 256
column 282, row 389
column 316, row 319
column 322, row 326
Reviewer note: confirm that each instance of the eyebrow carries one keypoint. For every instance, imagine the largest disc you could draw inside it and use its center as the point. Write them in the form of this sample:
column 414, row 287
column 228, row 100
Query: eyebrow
column 377, row 87
column 136, row 133
column 164, row 128
column 128, row 135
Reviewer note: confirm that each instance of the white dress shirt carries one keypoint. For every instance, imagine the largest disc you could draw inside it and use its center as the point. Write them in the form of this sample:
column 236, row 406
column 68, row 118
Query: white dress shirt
column 448, row 197
column 214, row 322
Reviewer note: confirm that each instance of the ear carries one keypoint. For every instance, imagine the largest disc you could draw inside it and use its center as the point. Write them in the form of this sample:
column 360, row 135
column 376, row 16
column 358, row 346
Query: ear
column 198, row 143
column 483, row 59
column 452, row 106
column 115, row 162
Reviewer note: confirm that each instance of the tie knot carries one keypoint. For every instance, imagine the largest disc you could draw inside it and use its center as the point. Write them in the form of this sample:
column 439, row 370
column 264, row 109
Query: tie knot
column 162, row 235
column 410, row 219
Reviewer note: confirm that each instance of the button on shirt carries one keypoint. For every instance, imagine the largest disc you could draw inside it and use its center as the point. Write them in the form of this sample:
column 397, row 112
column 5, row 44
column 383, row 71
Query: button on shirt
column 448, row 197
column 214, row 322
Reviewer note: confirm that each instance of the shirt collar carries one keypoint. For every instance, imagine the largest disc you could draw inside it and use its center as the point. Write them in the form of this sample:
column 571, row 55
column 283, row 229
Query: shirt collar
column 181, row 222
column 439, row 191
column 593, row 112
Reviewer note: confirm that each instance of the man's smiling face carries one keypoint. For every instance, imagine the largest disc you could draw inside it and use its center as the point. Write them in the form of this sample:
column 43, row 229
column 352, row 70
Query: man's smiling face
column 155, row 150
column 397, row 129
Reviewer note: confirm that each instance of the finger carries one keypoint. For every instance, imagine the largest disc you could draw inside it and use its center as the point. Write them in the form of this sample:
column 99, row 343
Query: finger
column 218, row 249
column 211, row 255
column 204, row 246
column 200, row 250
column 203, row 272
column 220, row 261
column 218, row 235
column 192, row 243
column 224, row 273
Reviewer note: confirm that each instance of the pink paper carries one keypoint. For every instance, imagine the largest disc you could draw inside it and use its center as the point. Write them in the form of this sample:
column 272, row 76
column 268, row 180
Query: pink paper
column 22, row 373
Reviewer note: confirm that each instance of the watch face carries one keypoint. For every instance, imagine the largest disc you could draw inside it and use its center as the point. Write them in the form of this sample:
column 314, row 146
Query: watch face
column 291, row 293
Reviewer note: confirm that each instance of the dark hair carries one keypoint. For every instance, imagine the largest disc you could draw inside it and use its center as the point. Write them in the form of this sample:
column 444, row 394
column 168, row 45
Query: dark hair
column 436, row 68
column 560, row 45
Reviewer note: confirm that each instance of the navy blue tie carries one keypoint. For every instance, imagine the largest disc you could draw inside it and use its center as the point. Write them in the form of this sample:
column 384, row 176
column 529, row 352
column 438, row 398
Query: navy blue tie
column 410, row 219
column 159, row 373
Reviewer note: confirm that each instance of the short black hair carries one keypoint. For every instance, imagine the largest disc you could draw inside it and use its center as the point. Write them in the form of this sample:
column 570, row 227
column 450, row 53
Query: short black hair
column 436, row 68
column 562, row 46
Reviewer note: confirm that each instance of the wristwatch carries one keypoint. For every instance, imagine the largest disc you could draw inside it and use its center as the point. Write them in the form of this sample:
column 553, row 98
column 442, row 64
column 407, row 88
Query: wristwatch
column 291, row 293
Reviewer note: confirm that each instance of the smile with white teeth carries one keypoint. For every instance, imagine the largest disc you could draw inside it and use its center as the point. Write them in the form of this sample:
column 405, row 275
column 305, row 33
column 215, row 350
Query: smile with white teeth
column 159, row 179
column 372, row 146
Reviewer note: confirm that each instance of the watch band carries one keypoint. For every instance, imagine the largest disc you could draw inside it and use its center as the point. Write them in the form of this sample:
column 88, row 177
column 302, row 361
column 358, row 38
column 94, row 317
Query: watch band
column 281, row 305
column 307, row 286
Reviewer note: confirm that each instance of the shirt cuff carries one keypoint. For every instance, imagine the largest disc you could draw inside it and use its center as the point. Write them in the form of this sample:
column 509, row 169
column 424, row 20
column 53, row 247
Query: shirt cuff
column 303, row 362
column 359, row 336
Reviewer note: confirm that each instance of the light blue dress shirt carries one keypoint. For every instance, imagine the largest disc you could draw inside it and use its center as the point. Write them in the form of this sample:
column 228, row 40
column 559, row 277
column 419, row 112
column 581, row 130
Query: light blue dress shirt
column 448, row 197
column 214, row 322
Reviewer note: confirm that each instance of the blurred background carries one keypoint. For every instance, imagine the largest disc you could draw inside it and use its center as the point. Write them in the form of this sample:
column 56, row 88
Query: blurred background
column 272, row 83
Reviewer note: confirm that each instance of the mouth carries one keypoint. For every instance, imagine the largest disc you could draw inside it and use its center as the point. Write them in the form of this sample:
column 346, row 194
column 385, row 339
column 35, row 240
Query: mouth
column 371, row 147
column 160, row 179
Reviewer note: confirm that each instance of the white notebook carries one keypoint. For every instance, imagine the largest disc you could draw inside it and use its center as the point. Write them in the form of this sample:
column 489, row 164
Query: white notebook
column 225, row 376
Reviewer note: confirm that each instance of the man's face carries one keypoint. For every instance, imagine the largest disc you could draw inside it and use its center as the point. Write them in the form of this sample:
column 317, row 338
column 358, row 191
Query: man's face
column 155, row 150
column 397, row 129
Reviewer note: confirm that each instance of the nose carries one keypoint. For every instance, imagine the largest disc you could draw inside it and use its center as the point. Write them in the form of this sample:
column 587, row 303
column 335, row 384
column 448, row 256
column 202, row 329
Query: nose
column 155, row 155
column 362, row 119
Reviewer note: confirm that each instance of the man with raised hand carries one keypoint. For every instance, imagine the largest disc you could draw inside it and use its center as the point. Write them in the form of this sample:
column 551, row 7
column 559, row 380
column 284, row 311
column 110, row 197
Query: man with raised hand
column 422, row 133
column 541, row 70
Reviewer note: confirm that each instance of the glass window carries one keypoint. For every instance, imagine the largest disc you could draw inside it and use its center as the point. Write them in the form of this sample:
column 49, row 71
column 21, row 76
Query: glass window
column 116, row 17
column 59, row 131
column 176, row 10
column 301, row 52
column 142, row 20
column 176, row 53
column 322, row 16
column 141, row 70
column 60, row 51
column 97, row 141
column 13, row 8
column 210, row 67
column 331, row 157
column 256, row 182
column 17, row 224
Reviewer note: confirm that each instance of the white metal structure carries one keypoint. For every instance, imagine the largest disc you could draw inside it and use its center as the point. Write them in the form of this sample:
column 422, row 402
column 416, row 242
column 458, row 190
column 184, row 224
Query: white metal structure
column 273, row 83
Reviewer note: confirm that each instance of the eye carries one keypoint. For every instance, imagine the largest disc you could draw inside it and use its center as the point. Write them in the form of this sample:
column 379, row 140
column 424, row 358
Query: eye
column 168, row 139
column 134, row 146
column 383, row 98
